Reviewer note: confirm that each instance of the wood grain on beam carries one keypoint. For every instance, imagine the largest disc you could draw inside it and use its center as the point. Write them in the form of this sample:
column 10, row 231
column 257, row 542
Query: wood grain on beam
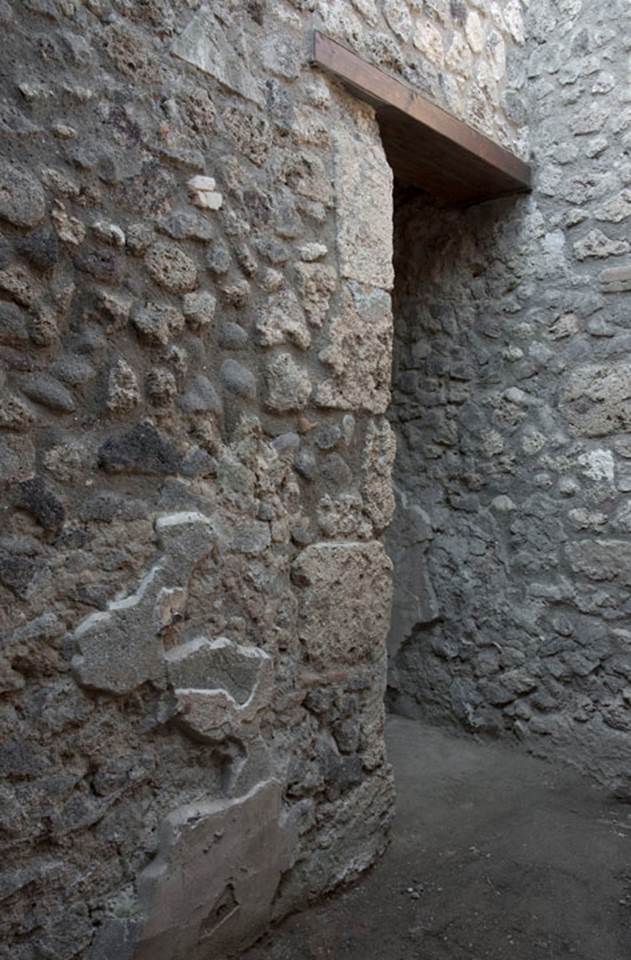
column 425, row 145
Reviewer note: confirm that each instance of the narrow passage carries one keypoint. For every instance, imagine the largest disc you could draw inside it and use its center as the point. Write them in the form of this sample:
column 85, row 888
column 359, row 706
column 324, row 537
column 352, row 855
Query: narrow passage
column 495, row 855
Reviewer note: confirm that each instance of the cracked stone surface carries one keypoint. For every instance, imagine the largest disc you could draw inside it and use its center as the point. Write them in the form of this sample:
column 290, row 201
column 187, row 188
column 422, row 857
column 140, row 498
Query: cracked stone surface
column 219, row 686
column 120, row 647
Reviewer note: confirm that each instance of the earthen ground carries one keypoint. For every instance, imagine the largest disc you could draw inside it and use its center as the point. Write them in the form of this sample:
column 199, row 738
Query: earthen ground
column 495, row 855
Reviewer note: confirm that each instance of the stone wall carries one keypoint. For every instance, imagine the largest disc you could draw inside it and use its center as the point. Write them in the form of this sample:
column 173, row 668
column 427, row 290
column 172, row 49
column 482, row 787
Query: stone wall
column 511, row 404
column 195, row 340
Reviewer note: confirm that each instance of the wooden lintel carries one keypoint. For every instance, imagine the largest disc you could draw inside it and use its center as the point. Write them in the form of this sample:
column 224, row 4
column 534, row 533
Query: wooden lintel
column 425, row 145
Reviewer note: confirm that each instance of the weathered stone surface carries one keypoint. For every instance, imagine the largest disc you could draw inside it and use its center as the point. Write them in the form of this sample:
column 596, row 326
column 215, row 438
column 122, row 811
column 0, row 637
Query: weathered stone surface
column 191, row 193
column 359, row 352
column 353, row 842
column 316, row 283
column 201, row 397
column 212, row 883
column 17, row 458
column 39, row 500
column 120, row 648
column 40, row 248
column 187, row 225
column 140, row 450
column 123, row 392
column 377, row 463
column 601, row 560
column 596, row 398
column 171, row 268
column 49, row 392
column 73, row 370
column 364, row 227
column 199, row 308
column 157, row 323
column 616, row 279
column 414, row 600
column 219, row 49
column 288, row 384
column 598, row 245
column 22, row 200
column 13, row 327
column 20, row 564
column 69, row 229
column 219, row 687
column 14, row 414
column 345, row 603
column 238, row 379
column 282, row 320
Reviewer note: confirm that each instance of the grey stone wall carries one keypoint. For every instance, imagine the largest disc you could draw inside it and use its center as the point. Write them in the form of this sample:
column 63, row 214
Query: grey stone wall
column 195, row 342
column 512, row 379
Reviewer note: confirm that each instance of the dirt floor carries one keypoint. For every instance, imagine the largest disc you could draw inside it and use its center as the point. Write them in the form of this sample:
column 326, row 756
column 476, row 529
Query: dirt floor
column 494, row 856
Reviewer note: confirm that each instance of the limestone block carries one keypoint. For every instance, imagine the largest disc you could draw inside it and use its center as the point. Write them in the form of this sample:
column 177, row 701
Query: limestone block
column 17, row 459
column 598, row 245
column 123, row 392
column 615, row 279
column 199, row 308
column 514, row 20
column 288, row 385
column 219, row 686
column 414, row 600
column 186, row 538
column 22, row 200
column 120, row 648
column 372, row 719
column 117, row 647
column 601, row 560
column 616, row 209
column 69, row 229
column 343, row 516
column 398, row 18
column 219, row 49
column 474, row 31
column 282, row 320
column 596, row 398
column 428, row 39
column 203, row 193
column 201, row 397
column 171, row 268
column 378, row 458
column 340, row 21
column 345, row 604
column 363, row 183
column 368, row 9
column 210, row 888
column 459, row 56
column 359, row 352
column 316, row 283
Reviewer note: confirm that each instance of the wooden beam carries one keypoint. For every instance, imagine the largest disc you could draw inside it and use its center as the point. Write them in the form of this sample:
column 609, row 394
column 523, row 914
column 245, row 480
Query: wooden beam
column 425, row 145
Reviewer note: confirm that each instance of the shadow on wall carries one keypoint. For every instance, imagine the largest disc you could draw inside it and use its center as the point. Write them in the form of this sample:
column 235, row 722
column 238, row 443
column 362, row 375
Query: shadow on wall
column 444, row 340
column 487, row 628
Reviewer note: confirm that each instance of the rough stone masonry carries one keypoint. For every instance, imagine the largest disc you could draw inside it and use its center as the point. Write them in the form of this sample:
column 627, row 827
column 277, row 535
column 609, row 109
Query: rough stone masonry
column 512, row 407
column 195, row 360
